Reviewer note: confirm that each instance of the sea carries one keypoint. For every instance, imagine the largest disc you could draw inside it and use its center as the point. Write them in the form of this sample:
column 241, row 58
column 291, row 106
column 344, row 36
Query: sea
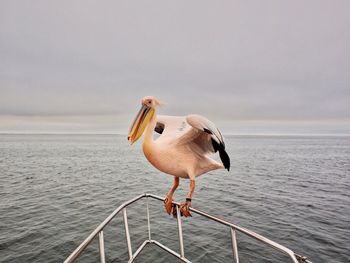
column 56, row 189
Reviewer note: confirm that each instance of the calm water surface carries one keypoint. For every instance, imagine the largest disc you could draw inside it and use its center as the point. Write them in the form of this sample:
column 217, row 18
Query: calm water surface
column 55, row 189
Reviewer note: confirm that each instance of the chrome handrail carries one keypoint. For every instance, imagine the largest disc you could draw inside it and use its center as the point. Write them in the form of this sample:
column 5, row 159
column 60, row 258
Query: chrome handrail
column 233, row 228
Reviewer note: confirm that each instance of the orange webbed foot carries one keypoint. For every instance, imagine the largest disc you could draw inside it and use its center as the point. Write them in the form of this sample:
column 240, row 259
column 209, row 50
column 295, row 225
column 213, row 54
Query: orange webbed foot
column 185, row 208
column 168, row 204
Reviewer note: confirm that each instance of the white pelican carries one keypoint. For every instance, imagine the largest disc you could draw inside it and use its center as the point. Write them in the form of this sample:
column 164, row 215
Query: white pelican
column 181, row 150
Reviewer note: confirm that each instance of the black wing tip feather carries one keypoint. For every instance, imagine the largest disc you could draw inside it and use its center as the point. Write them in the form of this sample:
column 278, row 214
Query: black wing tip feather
column 207, row 131
column 225, row 158
column 159, row 128
column 223, row 154
column 215, row 145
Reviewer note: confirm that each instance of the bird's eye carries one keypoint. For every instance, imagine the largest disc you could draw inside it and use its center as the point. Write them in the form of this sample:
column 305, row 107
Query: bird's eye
column 149, row 102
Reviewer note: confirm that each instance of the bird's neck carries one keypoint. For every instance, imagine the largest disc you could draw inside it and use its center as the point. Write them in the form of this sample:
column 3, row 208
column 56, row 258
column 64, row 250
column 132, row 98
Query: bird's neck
column 148, row 139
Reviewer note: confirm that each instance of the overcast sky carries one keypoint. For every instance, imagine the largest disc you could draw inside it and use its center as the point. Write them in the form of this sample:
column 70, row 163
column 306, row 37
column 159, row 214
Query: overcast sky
column 249, row 66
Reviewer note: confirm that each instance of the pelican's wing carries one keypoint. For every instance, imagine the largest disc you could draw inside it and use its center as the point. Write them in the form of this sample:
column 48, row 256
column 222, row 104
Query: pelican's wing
column 195, row 130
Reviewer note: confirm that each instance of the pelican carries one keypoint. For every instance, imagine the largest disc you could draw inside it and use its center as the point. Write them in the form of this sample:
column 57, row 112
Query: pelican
column 182, row 149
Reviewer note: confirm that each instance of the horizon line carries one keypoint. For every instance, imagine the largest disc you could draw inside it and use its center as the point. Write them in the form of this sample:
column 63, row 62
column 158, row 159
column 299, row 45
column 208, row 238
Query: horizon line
column 225, row 134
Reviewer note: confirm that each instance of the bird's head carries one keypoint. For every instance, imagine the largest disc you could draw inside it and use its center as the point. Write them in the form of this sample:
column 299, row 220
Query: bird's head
column 148, row 107
column 150, row 102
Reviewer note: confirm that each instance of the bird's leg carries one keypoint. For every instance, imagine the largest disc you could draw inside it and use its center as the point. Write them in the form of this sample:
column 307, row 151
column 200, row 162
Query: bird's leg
column 169, row 197
column 184, row 207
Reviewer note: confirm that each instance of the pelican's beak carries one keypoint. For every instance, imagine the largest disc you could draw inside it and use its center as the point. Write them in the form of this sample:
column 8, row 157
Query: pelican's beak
column 138, row 126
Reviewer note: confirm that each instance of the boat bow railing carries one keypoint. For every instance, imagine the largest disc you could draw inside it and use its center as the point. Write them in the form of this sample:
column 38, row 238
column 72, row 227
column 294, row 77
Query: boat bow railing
column 181, row 254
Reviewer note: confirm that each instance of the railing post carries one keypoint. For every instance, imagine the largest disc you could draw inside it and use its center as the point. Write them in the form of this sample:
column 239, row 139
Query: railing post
column 234, row 245
column 148, row 220
column 179, row 228
column 101, row 247
column 127, row 234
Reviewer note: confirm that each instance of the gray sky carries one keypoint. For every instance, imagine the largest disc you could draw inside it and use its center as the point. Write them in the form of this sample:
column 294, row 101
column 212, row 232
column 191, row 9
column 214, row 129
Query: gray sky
column 249, row 66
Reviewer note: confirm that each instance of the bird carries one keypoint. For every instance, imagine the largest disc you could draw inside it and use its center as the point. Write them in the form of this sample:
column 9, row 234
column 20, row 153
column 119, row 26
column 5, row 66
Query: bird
column 182, row 150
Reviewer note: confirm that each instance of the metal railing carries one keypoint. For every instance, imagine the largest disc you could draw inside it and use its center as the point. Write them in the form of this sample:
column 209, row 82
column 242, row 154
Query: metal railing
column 233, row 229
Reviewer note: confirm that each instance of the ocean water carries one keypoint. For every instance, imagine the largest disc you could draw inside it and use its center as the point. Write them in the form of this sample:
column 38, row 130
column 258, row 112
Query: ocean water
column 55, row 189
